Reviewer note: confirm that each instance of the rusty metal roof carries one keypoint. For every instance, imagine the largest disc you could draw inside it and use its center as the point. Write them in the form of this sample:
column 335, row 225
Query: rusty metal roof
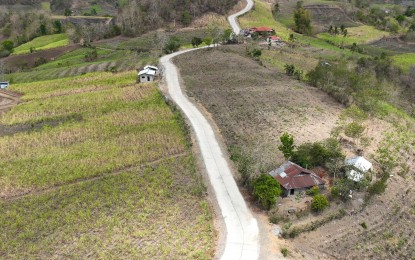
column 293, row 176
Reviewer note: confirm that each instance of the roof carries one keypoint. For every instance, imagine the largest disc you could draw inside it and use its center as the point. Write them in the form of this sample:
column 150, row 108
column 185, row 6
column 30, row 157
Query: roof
column 150, row 67
column 147, row 72
column 293, row 176
column 262, row 29
column 360, row 165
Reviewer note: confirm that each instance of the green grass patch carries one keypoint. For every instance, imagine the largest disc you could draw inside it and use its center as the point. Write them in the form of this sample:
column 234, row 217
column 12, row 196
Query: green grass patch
column 45, row 6
column 361, row 35
column 404, row 61
column 43, row 43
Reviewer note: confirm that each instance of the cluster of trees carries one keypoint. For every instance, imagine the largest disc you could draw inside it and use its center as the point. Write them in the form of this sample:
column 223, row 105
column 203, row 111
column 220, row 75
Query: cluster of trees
column 302, row 19
column 335, row 30
column 139, row 16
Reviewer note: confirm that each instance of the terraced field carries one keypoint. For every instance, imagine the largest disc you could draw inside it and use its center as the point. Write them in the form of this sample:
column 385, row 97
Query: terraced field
column 99, row 166
column 43, row 43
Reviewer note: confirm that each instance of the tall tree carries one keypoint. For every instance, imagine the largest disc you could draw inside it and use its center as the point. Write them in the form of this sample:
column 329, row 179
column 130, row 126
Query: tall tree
column 302, row 19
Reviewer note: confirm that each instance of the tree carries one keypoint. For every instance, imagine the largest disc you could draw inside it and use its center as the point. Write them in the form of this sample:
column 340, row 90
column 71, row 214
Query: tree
column 287, row 145
column 93, row 12
column 67, row 12
column 8, row 45
column 320, row 202
column 186, row 18
column 266, row 190
column 208, row 40
column 43, row 29
column 289, row 69
column 302, row 19
column 172, row 45
column 57, row 25
column 196, row 41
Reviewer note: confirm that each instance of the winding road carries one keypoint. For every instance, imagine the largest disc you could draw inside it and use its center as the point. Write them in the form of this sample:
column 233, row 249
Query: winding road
column 242, row 233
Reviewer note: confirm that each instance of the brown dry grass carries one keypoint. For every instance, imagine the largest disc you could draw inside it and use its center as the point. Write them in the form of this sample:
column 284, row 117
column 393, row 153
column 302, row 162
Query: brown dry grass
column 253, row 105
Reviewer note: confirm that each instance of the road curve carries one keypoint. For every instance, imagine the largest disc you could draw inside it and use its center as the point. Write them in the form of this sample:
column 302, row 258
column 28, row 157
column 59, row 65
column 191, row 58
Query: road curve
column 242, row 233
column 241, row 226
column 233, row 19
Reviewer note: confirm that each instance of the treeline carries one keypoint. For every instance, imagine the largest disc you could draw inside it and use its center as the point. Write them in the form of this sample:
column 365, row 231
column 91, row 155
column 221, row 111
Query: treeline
column 139, row 16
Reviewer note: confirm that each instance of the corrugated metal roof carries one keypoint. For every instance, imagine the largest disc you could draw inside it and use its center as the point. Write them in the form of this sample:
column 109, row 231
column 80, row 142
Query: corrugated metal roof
column 293, row 176
column 147, row 72
column 361, row 166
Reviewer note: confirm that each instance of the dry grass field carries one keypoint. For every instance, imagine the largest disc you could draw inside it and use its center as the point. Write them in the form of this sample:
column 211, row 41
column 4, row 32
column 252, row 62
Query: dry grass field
column 254, row 105
column 98, row 166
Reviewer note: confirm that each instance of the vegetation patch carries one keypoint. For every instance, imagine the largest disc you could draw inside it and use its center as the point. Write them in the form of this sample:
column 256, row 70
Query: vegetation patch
column 43, row 43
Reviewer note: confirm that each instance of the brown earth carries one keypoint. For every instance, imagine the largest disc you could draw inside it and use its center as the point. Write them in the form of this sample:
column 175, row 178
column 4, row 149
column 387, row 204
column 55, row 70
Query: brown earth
column 254, row 105
column 25, row 61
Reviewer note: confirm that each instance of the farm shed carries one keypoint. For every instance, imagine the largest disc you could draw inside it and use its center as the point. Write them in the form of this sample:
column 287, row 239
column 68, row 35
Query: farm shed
column 357, row 167
column 148, row 74
column 294, row 179
column 4, row 84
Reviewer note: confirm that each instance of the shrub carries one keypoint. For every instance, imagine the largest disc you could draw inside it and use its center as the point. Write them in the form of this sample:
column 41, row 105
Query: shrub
column 266, row 190
column 287, row 145
column 196, row 41
column 289, row 69
column 172, row 45
column 8, row 45
column 91, row 55
column 284, row 252
column 364, row 225
column 320, row 202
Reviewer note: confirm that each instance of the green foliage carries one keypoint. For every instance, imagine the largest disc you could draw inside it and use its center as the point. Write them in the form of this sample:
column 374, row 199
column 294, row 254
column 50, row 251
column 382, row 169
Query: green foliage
column 287, row 145
column 284, row 251
column 172, row 45
column 208, row 40
column 43, row 29
column 302, row 19
column 289, row 69
column 266, row 190
column 186, row 18
column 310, row 155
column 8, row 45
column 43, row 43
column 313, row 191
column 363, row 225
column 319, row 203
column 354, row 130
column 57, row 26
column 91, row 55
column 342, row 187
column 196, row 41
column 244, row 162
column 67, row 12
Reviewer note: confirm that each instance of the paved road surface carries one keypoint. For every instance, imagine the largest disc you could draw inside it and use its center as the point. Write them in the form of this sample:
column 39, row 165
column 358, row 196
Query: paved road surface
column 242, row 238
column 233, row 18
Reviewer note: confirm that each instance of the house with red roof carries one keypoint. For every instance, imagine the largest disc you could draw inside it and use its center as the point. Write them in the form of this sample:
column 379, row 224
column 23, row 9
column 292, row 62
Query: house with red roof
column 294, row 179
column 262, row 30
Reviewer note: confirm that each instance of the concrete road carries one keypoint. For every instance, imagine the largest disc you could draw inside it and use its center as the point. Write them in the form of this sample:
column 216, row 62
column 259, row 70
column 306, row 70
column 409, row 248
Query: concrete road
column 233, row 19
column 241, row 227
column 242, row 235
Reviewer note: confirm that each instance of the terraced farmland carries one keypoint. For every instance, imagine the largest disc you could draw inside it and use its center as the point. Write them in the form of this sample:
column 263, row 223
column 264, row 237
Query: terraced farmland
column 99, row 166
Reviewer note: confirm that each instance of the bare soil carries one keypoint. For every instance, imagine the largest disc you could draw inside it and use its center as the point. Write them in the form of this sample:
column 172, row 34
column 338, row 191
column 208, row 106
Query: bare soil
column 253, row 105
column 30, row 60
column 395, row 44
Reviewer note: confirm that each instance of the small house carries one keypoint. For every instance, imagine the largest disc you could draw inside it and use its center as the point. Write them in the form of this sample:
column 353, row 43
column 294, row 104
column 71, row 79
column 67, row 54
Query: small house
column 262, row 30
column 294, row 179
column 273, row 39
column 4, row 84
column 357, row 167
column 147, row 74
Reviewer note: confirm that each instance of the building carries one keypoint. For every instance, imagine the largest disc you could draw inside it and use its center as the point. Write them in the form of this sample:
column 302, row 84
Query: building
column 148, row 74
column 294, row 179
column 357, row 167
column 4, row 84
column 273, row 39
column 263, row 30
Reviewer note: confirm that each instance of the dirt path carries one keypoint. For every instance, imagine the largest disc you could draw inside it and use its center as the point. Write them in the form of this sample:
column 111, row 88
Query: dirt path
column 8, row 100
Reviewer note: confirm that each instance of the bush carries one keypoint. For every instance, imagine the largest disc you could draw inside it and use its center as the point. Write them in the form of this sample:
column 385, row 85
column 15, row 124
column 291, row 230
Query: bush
column 8, row 45
column 196, row 41
column 266, row 190
column 320, row 202
column 91, row 55
column 172, row 45
column 310, row 155
column 289, row 69
column 284, row 252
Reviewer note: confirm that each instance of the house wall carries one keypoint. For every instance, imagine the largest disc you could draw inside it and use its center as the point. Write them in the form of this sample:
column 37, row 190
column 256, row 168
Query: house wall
column 146, row 78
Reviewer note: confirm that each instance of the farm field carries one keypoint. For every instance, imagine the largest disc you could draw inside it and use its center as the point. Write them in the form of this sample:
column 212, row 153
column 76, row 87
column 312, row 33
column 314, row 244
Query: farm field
column 252, row 112
column 99, row 166
column 404, row 61
column 361, row 35
column 43, row 43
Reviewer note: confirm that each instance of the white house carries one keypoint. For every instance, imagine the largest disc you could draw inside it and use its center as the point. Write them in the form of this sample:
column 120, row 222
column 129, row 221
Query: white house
column 357, row 168
column 148, row 73
column 4, row 84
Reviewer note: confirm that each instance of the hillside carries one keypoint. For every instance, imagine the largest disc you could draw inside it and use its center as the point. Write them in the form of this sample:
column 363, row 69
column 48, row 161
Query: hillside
column 99, row 166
